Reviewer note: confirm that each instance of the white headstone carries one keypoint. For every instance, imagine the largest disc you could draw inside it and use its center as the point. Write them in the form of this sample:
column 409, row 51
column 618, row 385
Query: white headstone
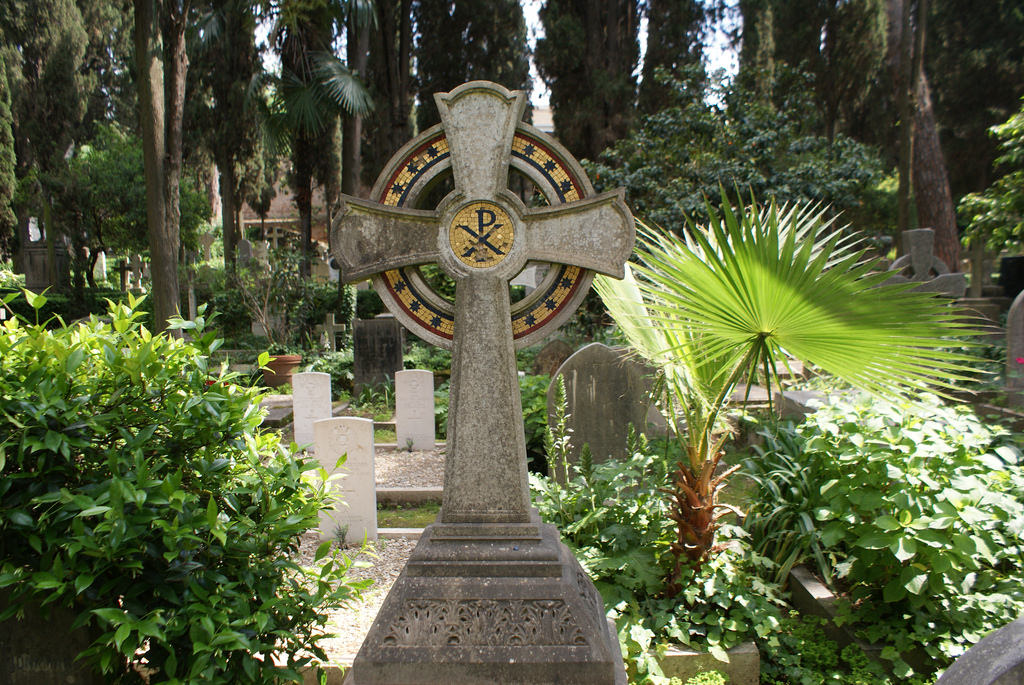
column 414, row 409
column 356, row 514
column 311, row 401
column 99, row 271
column 34, row 232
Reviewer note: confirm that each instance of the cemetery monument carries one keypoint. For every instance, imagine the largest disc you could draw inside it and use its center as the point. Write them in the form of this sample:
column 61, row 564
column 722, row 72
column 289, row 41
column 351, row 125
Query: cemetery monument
column 490, row 594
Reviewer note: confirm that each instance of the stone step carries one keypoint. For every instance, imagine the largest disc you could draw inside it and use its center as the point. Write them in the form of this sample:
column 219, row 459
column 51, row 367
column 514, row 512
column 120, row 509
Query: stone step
column 397, row 533
column 402, row 496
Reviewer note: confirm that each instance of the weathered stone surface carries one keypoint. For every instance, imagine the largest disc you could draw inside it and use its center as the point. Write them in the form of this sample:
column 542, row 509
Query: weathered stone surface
column 376, row 350
column 41, row 648
column 1015, row 351
column 522, row 612
column 355, row 516
column 414, row 409
column 490, row 595
column 606, row 391
column 244, row 251
column 919, row 264
column 743, row 668
column 311, row 401
column 551, row 356
column 996, row 660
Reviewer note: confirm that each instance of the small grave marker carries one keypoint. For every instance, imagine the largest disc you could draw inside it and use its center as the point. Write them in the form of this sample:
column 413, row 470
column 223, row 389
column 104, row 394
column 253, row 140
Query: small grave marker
column 922, row 266
column 311, row 402
column 355, row 516
column 414, row 409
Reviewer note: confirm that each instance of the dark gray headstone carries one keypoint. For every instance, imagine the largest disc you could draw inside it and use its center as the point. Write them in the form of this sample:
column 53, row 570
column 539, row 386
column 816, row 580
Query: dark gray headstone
column 41, row 648
column 376, row 350
column 551, row 356
column 606, row 390
column 996, row 660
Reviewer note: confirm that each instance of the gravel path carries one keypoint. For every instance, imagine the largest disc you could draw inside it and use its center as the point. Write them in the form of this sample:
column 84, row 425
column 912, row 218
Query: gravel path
column 403, row 469
column 383, row 560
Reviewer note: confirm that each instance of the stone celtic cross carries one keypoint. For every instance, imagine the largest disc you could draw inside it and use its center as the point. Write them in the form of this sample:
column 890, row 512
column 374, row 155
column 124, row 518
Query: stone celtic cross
column 481, row 234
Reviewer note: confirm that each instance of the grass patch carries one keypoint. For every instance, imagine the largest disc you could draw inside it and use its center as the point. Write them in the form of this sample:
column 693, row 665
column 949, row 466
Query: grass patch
column 407, row 516
column 384, row 435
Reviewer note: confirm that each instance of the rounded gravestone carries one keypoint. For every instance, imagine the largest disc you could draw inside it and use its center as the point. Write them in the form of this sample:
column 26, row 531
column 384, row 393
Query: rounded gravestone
column 996, row 660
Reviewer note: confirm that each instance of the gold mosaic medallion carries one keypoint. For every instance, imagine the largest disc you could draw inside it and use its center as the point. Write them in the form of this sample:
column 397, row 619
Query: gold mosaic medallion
column 481, row 234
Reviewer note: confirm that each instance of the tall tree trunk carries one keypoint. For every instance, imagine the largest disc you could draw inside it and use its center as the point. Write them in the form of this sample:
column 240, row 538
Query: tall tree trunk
column 175, row 69
column 922, row 164
column 303, row 187
column 161, row 88
column 931, row 181
column 227, row 211
column 149, row 56
column 902, row 69
column 352, row 124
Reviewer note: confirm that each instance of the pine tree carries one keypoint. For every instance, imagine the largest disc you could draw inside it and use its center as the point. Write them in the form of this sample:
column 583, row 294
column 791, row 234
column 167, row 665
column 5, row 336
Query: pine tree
column 467, row 40
column 587, row 58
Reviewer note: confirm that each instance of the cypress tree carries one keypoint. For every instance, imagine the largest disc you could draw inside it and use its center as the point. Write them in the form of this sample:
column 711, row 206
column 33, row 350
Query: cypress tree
column 587, row 58
column 464, row 41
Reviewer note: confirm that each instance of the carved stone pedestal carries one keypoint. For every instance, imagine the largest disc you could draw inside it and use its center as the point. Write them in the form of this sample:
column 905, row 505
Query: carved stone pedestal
column 491, row 603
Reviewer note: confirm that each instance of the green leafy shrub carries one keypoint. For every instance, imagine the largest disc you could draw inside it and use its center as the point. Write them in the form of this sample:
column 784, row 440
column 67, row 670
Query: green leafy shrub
column 60, row 307
column 534, row 394
column 339, row 366
column 423, row 355
column 615, row 519
column 368, row 304
column 139, row 493
column 441, row 398
column 914, row 508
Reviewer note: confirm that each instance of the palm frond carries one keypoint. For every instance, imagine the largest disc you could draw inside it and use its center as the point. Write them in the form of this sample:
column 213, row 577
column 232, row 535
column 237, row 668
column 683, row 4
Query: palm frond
column 340, row 86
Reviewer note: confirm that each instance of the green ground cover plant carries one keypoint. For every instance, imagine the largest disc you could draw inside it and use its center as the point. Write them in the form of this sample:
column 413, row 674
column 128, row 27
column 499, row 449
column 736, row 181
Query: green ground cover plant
column 407, row 516
column 914, row 511
column 615, row 518
column 139, row 493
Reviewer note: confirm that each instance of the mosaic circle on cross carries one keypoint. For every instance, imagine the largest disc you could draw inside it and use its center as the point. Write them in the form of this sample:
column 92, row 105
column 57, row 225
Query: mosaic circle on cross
column 481, row 235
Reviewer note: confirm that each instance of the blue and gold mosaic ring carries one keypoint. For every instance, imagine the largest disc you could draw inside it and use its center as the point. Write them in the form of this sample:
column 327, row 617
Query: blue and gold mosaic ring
column 408, row 176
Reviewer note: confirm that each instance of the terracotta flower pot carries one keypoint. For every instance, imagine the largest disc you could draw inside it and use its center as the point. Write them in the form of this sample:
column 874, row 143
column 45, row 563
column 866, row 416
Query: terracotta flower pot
column 280, row 368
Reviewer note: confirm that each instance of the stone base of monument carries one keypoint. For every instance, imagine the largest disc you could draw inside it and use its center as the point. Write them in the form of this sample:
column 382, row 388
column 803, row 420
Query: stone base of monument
column 743, row 667
column 491, row 603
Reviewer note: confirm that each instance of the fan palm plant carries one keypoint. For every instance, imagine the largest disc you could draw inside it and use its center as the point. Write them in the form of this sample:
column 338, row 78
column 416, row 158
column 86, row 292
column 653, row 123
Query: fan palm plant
column 728, row 302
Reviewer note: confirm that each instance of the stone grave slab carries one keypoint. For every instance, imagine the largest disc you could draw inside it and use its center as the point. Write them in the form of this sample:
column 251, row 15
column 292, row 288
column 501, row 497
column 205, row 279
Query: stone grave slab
column 355, row 516
column 41, row 648
column 490, row 595
column 311, row 401
column 920, row 265
column 551, row 356
column 606, row 391
column 998, row 659
column 376, row 350
column 414, row 409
